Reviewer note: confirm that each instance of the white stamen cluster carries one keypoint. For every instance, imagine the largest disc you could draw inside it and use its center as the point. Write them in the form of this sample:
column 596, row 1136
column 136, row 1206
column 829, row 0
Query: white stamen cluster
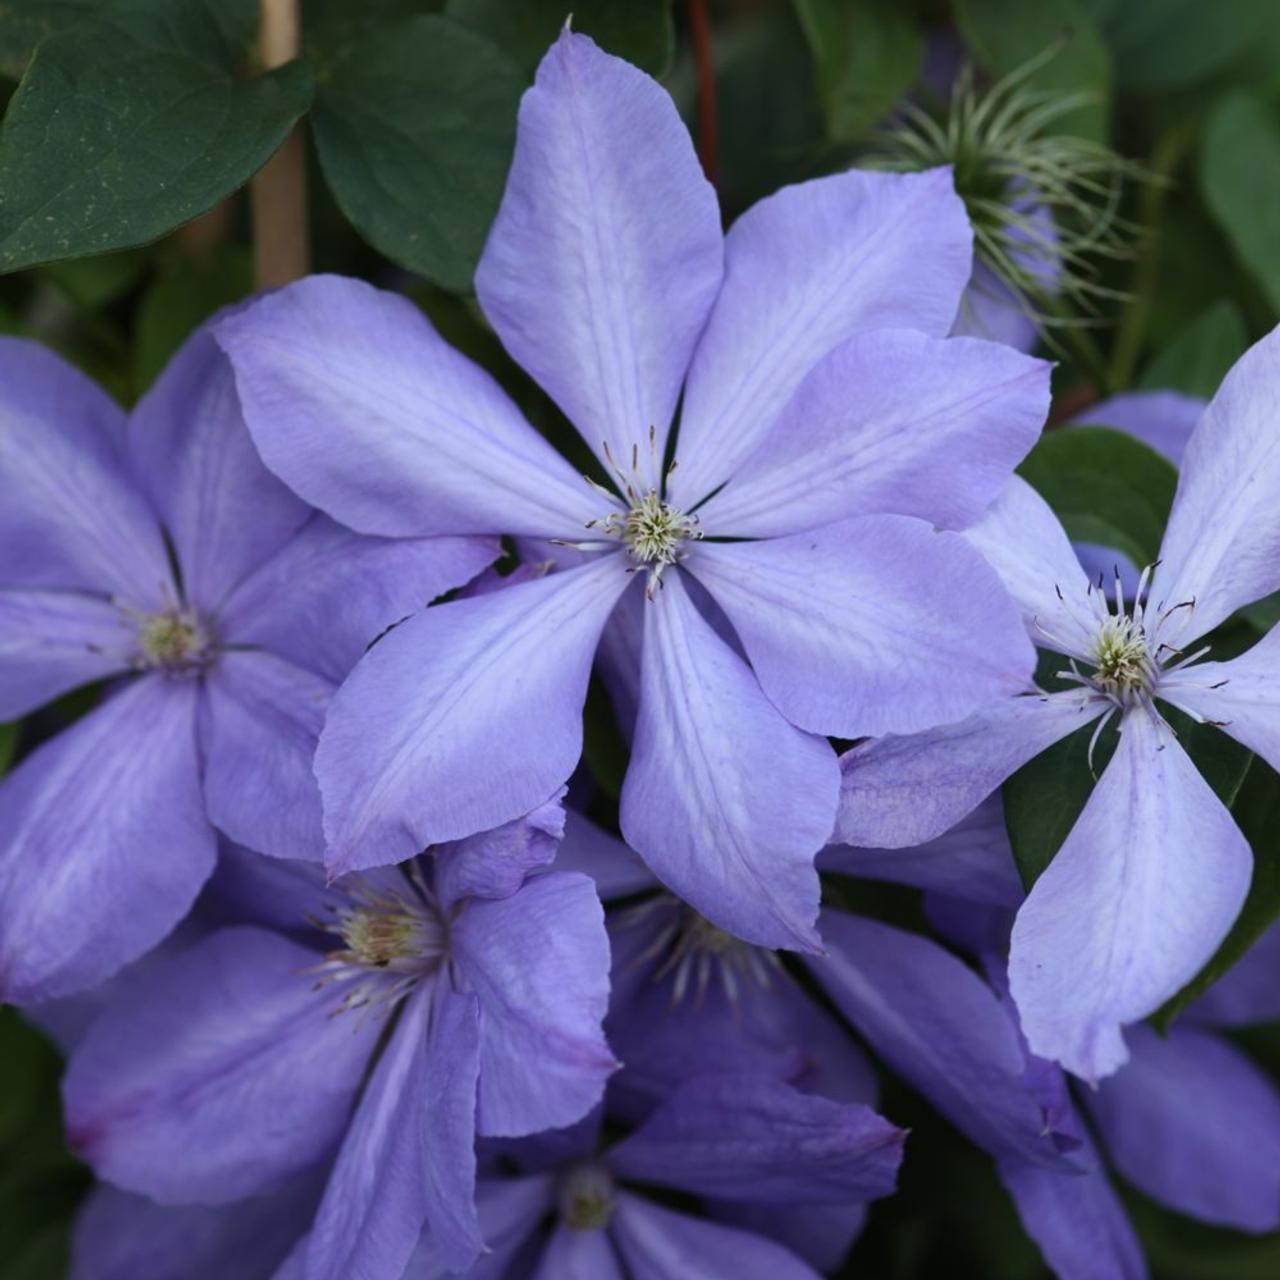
column 174, row 640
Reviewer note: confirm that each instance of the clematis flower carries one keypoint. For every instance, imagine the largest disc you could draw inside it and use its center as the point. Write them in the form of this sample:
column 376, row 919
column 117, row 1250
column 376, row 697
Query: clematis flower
column 1154, row 872
column 226, row 656
column 463, row 995
column 827, row 429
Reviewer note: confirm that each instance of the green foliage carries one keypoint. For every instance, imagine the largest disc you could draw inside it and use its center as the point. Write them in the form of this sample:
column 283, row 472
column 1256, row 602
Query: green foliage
column 1198, row 357
column 24, row 23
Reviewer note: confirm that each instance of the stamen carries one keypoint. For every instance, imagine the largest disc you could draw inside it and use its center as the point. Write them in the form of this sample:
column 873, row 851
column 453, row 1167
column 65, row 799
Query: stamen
column 587, row 1198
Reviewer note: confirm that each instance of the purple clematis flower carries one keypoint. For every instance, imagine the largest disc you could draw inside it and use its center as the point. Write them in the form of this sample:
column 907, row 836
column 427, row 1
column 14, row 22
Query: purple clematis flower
column 826, row 430
column 1154, row 872
column 464, row 996
column 228, row 655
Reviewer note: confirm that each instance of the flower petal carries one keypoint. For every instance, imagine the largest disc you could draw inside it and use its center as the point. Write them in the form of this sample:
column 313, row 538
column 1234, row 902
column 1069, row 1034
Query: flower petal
column 462, row 718
column 495, row 864
column 328, row 595
column 578, row 1255
column 660, row 1243
column 1247, row 993
column 891, row 422
column 259, row 723
column 104, row 842
column 724, row 799
column 936, row 1023
column 357, row 403
column 874, row 625
column 71, row 516
column 224, row 511
column 1222, row 544
column 220, row 1075
column 538, row 962
column 1196, row 1125
column 1162, row 419
column 747, row 1137
column 617, row 870
column 53, row 641
column 606, row 255
column 902, row 791
column 806, row 269
column 1137, row 899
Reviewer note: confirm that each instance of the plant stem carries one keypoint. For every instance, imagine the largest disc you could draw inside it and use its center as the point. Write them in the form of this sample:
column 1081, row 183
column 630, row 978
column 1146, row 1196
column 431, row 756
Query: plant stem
column 278, row 194
column 700, row 36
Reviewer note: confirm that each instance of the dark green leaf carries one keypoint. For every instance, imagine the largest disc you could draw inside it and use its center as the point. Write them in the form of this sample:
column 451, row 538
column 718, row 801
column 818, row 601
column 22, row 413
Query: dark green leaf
column 603, row 747
column 415, row 129
column 1005, row 35
column 1240, row 180
column 185, row 293
column 641, row 31
column 1106, row 487
column 129, row 124
column 24, row 23
column 867, row 54
column 329, row 27
column 1198, row 358
column 91, row 283
column 8, row 745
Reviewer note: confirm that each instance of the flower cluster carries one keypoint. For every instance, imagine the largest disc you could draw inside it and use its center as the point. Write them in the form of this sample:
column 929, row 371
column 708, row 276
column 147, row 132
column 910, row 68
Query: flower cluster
column 373, row 993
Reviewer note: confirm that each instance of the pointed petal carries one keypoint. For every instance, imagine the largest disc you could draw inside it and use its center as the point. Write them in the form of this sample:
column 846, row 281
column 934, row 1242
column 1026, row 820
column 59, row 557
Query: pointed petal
column 806, row 269
column 724, row 799
column 71, row 517
column 1222, row 544
column 750, row 1138
column 224, row 511
column 874, row 625
column 936, row 1023
column 328, row 595
column 1137, row 899
column 220, row 1074
column 1162, row 419
column 357, row 403
column 53, row 641
column 606, row 255
column 538, row 962
column 462, row 718
column 1196, row 1125
column 617, row 870
column 660, row 1243
column 259, row 723
column 932, row 428
column 902, row 791
column 1022, row 540
column 495, row 864
column 104, row 842
column 820, row 1234
column 579, row 1255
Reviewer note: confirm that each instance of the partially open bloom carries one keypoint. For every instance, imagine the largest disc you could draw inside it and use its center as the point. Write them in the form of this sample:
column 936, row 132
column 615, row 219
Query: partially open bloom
column 156, row 549
column 827, row 434
column 1154, row 871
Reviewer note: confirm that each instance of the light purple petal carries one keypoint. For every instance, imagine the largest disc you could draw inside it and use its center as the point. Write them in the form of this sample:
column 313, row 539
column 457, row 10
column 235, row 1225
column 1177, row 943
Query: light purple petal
column 820, row 1234
column 538, row 962
column 1137, row 899
column 1162, row 419
column 749, row 1138
column 661, row 1243
column 71, row 517
column 223, row 510
column 462, row 718
column 724, row 799
column 617, row 870
column 1248, row 992
column 806, row 269
column 875, row 625
column 936, row 1023
column 902, row 791
column 891, row 422
column 1222, row 544
column 990, row 311
column 357, row 403
column 52, row 641
column 973, row 860
column 104, row 842
column 1196, row 1125
column 327, row 595
column 260, row 719
column 606, row 255
column 579, row 1255
column 220, row 1074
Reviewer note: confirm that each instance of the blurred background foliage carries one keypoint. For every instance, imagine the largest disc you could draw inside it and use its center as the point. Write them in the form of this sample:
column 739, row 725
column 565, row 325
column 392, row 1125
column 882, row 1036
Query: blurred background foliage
column 133, row 126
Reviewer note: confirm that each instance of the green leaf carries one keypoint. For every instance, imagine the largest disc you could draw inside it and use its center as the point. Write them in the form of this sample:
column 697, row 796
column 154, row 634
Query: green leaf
column 415, row 129
column 329, row 27
column 867, row 54
column 24, row 23
column 128, row 124
column 92, row 283
column 1199, row 356
column 1239, row 175
column 1106, row 487
column 8, row 744
column 1004, row 35
column 641, row 31
column 184, row 294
